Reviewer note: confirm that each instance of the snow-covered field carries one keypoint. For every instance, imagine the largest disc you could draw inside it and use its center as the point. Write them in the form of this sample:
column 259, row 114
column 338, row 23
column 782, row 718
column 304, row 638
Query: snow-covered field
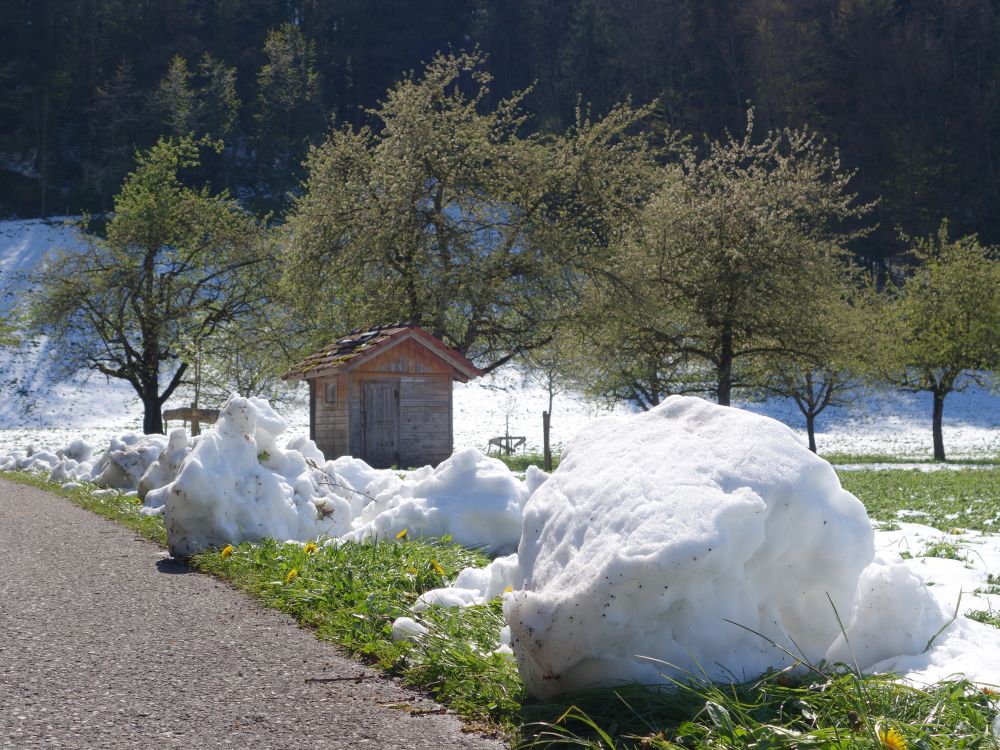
column 704, row 514
column 37, row 408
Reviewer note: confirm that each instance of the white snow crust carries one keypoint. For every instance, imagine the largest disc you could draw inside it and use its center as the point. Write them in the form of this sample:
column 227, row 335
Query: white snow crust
column 665, row 539
column 689, row 542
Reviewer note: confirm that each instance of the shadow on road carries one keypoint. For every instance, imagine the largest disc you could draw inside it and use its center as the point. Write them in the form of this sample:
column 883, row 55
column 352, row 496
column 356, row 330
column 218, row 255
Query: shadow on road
column 170, row 566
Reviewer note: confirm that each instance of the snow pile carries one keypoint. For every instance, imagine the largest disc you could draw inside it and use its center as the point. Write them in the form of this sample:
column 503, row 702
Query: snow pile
column 164, row 469
column 119, row 466
column 126, row 460
column 237, row 485
column 688, row 541
column 438, row 502
column 665, row 539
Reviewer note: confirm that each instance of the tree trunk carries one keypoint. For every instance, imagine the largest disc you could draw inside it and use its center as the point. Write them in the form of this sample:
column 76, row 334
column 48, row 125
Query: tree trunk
column 546, row 448
column 811, row 429
column 939, row 395
column 725, row 367
column 152, row 419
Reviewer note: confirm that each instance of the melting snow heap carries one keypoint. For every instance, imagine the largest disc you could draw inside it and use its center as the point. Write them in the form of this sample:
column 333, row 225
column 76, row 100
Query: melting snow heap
column 238, row 484
column 687, row 541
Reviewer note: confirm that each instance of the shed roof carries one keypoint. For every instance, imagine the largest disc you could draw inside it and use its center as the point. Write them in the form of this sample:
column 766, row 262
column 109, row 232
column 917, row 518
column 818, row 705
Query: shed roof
column 361, row 344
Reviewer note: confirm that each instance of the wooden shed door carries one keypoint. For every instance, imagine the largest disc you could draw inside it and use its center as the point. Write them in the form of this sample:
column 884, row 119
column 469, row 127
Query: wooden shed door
column 381, row 420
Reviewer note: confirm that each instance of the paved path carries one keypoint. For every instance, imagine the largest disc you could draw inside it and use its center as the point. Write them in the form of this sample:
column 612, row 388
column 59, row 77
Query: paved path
column 107, row 643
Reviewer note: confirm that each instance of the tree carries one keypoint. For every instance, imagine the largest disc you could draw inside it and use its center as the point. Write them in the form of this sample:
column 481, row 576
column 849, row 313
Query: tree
column 837, row 363
column 288, row 101
column 943, row 321
column 116, row 116
column 218, row 104
column 736, row 248
column 178, row 263
column 204, row 103
column 248, row 356
column 628, row 344
column 447, row 218
column 8, row 332
column 176, row 99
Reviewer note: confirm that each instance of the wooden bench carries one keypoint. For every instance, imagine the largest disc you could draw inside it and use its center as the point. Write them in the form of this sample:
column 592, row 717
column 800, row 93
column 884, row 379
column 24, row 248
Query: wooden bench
column 193, row 415
column 506, row 444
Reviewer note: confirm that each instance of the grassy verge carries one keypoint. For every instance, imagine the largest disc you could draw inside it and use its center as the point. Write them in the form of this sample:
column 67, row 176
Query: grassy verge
column 887, row 458
column 521, row 461
column 821, row 710
column 351, row 594
column 964, row 498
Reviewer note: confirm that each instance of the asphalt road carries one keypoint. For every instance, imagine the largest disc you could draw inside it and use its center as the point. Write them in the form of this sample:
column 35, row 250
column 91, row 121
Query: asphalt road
column 105, row 642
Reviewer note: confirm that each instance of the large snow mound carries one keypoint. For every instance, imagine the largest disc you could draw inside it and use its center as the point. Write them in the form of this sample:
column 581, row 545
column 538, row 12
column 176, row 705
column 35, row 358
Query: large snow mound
column 238, row 484
column 688, row 541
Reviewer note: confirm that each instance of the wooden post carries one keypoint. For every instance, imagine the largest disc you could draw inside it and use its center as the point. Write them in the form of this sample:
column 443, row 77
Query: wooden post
column 195, row 424
column 546, row 449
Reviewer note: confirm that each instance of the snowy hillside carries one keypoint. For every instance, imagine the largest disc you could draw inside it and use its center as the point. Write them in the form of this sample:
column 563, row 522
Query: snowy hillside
column 31, row 395
column 36, row 408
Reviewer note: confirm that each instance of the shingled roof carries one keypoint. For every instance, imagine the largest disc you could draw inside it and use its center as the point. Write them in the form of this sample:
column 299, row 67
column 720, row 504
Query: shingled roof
column 362, row 344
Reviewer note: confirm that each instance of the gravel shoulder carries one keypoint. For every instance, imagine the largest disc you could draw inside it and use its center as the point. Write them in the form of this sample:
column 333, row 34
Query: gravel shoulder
column 106, row 642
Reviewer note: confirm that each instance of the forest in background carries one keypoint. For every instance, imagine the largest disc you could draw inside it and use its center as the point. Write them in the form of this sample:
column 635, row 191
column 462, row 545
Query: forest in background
column 908, row 91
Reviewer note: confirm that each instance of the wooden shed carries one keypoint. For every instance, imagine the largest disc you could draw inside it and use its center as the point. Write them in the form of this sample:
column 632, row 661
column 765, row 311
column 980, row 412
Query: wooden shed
column 384, row 394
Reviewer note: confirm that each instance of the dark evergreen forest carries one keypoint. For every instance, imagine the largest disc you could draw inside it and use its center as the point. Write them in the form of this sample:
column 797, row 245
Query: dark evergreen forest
column 908, row 90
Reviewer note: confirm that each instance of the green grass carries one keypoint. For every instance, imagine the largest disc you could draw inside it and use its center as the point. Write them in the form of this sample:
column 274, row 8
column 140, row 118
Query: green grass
column 964, row 498
column 352, row 593
column 825, row 709
column 888, row 458
column 521, row 461
column 985, row 616
column 944, row 550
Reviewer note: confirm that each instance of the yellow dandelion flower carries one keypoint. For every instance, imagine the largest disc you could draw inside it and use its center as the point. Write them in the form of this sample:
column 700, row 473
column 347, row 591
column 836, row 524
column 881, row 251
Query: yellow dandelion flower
column 411, row 571
column 891, row 739
column 402, row 534
column 227, row 550
column 292, row 575
column 437, row 567
column 310, row 547
column 509, row 590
